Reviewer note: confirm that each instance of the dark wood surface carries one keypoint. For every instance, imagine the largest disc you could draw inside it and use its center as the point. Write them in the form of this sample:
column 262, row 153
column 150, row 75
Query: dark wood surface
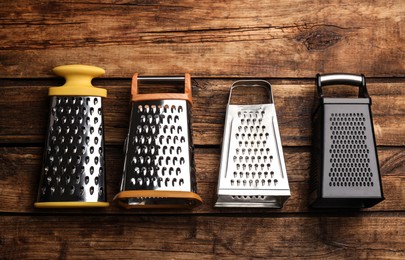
column 285, row 42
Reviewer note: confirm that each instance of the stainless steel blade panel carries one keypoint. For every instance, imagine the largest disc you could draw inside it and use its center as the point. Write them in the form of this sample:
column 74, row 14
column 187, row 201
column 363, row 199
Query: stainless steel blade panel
column 159, row 151
column 350, row 165
column 252, row 161
column 73, row 164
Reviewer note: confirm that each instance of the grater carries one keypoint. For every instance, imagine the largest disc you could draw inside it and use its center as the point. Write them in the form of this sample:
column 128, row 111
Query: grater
column 159, row 168
column 252, row 169
column 73, row 169
column 345, row 171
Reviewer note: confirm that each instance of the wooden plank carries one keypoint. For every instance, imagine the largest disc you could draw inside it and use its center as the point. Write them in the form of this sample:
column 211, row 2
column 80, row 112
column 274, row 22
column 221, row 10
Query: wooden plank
column 202, row 237
column 225, row 39
column 21, row 170
column 24, row 112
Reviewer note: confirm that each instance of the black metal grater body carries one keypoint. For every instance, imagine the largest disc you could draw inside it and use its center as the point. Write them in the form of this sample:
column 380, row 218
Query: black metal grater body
column 345, row 169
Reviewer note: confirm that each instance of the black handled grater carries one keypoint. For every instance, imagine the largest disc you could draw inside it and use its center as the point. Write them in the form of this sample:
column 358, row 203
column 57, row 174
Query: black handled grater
column 345, row 166
column 252, row 169
column 73, row 169
column 159, row 168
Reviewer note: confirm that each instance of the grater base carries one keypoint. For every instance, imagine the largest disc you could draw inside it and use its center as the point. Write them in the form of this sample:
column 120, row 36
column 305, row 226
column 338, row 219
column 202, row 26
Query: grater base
column 346, row 203
column 274, row 203
column 71, row 204
column 157, row 199
column 238, row 199
column 318, row 201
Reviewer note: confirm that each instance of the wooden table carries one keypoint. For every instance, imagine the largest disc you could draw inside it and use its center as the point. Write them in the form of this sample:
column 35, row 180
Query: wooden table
column 285, row 42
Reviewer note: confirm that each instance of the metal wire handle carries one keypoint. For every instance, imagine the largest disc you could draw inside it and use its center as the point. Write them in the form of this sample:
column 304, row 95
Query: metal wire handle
column 252, row 83
column 151, row 79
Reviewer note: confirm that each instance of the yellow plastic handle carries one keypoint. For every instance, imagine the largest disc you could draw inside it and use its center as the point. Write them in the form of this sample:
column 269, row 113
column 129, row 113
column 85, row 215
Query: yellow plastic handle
column 78, row 81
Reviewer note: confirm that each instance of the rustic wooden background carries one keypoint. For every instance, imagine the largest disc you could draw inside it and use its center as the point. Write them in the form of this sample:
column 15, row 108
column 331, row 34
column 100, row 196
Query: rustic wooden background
column 286, row 42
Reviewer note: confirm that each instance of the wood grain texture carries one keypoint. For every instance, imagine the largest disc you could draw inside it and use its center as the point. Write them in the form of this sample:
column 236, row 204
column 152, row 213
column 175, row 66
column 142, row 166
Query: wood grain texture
column 218, row 42
column 21, row 170
column 351, row 236
column 208, row 39
column 24, row 111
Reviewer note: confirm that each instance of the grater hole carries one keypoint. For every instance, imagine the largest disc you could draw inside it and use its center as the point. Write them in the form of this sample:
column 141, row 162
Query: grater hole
column 349, row 151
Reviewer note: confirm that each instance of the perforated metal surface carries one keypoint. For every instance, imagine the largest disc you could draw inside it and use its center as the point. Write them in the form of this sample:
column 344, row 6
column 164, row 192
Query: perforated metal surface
column 254, row 151
column 345, row 171
column 252, row 171
column 349, row 151
column 158, row 150
column 73, row 164
column 351, row 166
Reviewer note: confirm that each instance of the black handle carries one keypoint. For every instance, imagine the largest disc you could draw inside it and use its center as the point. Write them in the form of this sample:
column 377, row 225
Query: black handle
column 342, row 79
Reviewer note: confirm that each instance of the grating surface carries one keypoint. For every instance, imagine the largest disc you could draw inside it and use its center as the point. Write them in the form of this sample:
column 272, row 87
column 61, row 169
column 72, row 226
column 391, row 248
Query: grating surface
column 350, row 166
column 350, row 162
column 73, row 165
column 252, row 171
column 252, row 158
column 159, row 151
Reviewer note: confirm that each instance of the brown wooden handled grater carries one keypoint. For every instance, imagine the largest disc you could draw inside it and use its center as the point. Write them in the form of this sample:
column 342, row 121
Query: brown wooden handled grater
column 159, row 168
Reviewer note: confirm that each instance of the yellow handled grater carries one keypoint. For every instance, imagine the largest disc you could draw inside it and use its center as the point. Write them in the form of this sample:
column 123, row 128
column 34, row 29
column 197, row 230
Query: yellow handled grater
column 73, row 168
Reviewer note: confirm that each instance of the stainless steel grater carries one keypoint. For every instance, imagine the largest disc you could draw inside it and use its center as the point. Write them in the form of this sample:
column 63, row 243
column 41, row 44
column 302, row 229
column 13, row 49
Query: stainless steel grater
column 252, row 170
column 345, row 171
column 159, row 169
column 73, row 169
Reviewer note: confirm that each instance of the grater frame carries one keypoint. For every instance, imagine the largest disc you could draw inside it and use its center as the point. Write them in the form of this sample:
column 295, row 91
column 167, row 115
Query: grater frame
column 345, row 169
column 159, row 167
column 252, row 171
column 73, row 165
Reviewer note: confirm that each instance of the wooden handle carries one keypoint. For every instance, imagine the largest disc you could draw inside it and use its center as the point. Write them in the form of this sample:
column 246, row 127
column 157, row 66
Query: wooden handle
column 187, row 95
